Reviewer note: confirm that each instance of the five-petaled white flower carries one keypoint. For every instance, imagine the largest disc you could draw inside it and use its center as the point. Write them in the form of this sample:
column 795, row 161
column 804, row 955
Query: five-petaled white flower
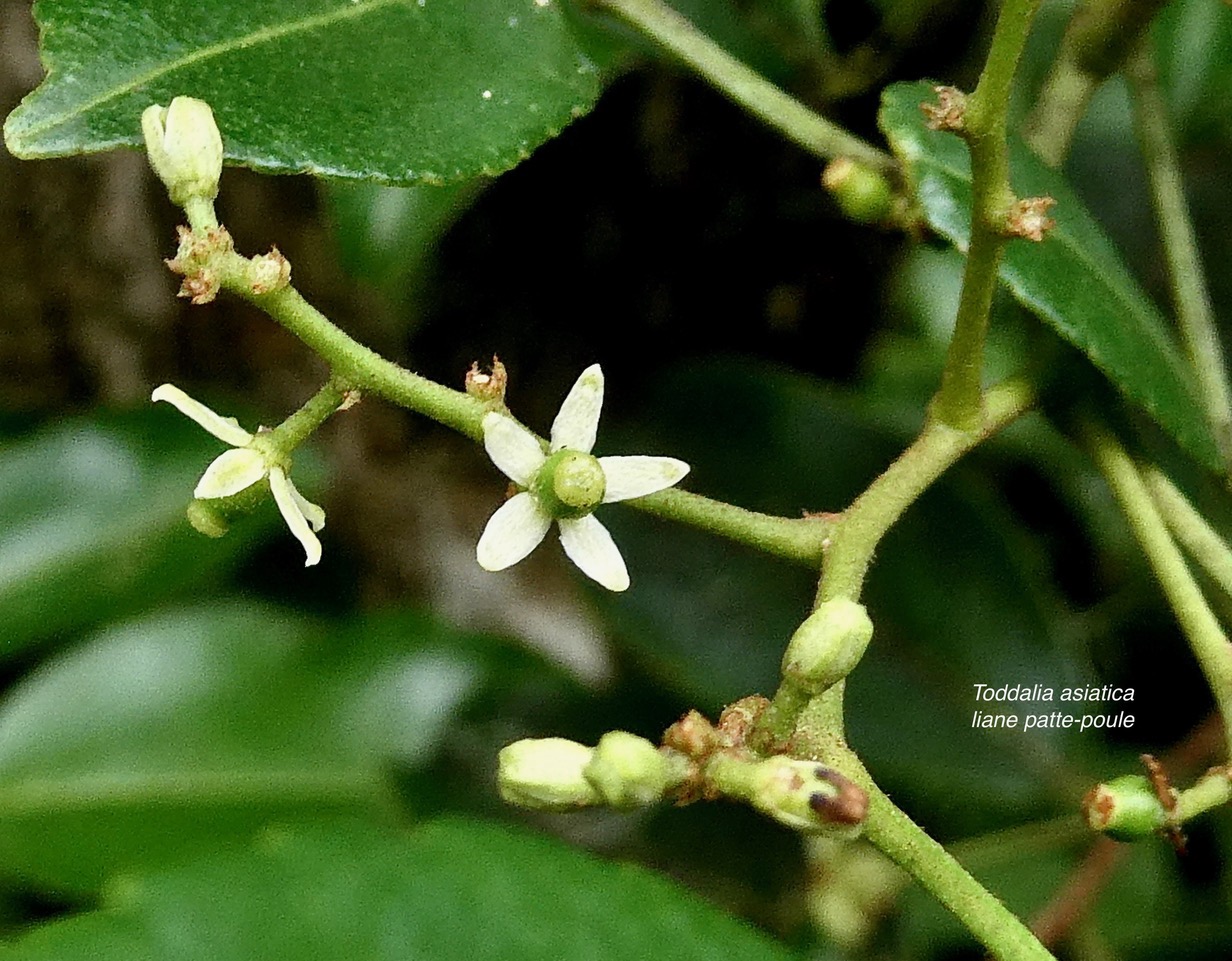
column 244, row 465
column 565, row 485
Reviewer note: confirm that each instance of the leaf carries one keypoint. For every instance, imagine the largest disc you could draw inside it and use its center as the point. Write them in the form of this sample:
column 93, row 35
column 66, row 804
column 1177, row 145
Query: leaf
column 1074, row 280
column 453, row 889
column 387, row 90
column 94, row 524
column 162, row 738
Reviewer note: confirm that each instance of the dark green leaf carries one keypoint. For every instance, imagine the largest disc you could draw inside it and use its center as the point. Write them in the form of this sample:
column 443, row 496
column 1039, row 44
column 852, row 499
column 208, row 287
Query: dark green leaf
column 1074, row 280
column 383, row 89
column 453, row 889
column 94, row 524
column 166, row 736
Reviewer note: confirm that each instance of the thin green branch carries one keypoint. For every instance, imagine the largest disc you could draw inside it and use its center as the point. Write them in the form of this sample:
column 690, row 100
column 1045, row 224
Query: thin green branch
column 853, row 539
column 984, row 129
column 1189, row 288
column 744, row 86
column 1192, row 529
column 799, row 540
column 316, row 410
column 860, row 528
column 1097, row 41
column 908, row 845
column 1206, row 638
column 1211, row 791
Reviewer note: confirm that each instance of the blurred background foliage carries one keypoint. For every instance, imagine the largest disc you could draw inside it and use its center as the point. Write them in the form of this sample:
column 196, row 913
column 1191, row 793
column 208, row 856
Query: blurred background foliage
column 168, row 697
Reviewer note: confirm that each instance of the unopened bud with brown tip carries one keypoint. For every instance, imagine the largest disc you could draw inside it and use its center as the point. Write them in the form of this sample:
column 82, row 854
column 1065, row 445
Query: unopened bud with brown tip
column 1126, row 808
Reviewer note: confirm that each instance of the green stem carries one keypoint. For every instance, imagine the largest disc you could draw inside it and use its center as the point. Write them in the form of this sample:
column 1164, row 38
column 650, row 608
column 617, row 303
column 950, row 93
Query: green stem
column 1197, row 536
column 297, row 428
column 908, row 845
column 1206, row 638
column 984, row 129
column 362, row 367
column 744, row 86
column 800, row 540
column 1212, row 791
column 1189, row 289
column 861, row 527
column 1097, row 41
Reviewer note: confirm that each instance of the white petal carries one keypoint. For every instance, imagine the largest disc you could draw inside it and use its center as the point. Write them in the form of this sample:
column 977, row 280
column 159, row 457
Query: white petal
column 313, row 514
column 226, row 429
column 288, row 506
column 512, row 532
column 629, row 477
column 231, row 472
column 578, row 421
column 514, row 449
column 592, row 549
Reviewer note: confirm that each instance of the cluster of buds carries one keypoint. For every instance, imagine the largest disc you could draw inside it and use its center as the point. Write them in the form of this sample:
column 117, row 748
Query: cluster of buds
column 698, row 760
column 555, row 774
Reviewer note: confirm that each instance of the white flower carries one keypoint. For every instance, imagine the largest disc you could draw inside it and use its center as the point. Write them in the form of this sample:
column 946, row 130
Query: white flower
column 242, row 466
column 565, row 485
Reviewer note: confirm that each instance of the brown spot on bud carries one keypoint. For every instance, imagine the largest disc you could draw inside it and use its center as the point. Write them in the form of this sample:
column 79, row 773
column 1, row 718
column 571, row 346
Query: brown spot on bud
column 1029, row 218
column 849, row 806
column 949, row 112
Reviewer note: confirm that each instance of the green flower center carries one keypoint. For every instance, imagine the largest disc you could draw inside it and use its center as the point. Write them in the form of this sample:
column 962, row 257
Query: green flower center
column 570, row 484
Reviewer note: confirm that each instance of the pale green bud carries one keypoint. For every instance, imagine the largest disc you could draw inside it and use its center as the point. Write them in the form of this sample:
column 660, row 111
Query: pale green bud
column 827, row 645
column 546, row 774
column 185, row 148
column 863, row 194
column 628, row 771
column 1125, row 808
column 206, row 518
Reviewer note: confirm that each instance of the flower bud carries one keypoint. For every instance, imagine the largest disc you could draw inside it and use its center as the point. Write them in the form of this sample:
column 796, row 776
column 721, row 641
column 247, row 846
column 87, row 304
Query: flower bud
column 827, row 645
column 546, row 774
column 628, row 771
column 1125, row 808
column 185, row 148
column 206, row 518
column 862, row 194
column 806, row 796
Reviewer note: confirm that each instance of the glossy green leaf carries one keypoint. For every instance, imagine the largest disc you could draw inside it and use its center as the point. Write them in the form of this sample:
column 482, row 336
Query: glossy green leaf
column 94, row 524
column 390, row 90
column 453, row 889
column 167, row 736
column 1074, row 280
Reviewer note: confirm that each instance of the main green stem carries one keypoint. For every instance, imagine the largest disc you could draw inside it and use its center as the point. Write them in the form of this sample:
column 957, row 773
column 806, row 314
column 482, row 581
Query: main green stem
column 744, row 86
column 1189, row 289
column 1206, row 638
column 984, row 128
column 904, row 841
